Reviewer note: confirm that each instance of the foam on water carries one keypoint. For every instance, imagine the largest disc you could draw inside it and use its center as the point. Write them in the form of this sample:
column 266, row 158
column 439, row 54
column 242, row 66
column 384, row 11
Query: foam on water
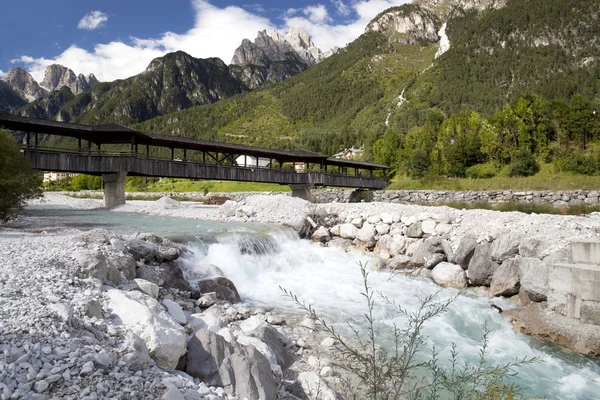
column 331, row 281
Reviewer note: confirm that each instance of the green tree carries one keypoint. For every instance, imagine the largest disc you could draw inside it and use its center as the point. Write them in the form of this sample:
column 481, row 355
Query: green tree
column 419, row 164
column 18, row 181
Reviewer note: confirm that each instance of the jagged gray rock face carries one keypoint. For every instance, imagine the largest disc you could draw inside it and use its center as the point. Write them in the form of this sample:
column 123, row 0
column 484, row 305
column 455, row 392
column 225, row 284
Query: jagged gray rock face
column 240, row 370
column 23, row 83
column 9, row 98
column 273, row 57
column 407, row 24
column 444, row 7
column 46, row 107
column 58, row 76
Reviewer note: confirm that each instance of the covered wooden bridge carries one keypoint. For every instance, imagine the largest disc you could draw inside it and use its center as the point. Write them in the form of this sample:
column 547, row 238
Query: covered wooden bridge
column 100, row 150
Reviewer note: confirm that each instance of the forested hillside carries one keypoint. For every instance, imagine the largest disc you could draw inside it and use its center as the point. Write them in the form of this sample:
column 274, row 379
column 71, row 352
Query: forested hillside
column 519, row 84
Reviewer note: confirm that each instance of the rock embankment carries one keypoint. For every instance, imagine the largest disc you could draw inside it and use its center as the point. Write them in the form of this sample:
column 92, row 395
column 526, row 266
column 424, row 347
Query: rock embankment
column 97, row 315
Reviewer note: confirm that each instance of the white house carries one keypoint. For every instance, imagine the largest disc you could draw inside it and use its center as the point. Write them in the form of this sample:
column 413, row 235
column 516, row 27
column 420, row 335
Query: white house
column 249, row 161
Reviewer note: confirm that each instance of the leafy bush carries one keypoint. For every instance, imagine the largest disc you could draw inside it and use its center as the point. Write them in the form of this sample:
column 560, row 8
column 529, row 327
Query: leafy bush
column 390, row 373
column 481, row 171
column 18, row 181
column 523, row 164
column 86, row 182
column 581, row 164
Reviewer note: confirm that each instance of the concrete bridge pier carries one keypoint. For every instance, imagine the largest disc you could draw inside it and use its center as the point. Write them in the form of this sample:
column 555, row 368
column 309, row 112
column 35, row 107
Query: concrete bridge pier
column 114, row 189
column 302, row 190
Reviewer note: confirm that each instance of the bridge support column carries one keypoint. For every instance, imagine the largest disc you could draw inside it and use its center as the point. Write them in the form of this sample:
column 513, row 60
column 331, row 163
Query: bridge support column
column 114, row 189
column 302, row 191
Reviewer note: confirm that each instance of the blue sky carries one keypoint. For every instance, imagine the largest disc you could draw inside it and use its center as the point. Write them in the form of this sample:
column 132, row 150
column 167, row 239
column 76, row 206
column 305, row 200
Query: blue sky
column 118, row 38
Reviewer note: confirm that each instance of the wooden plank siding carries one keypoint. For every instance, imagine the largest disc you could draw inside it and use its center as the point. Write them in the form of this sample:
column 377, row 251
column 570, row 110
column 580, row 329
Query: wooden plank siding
column 46, row 160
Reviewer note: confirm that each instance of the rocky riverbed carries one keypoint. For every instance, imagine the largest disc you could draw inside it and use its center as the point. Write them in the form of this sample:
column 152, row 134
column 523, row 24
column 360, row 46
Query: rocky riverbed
column 98, row 314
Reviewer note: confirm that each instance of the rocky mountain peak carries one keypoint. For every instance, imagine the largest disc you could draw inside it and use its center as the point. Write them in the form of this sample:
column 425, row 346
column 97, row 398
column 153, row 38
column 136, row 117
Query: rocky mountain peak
column 443, row 7
column 299, row 39
column 407, row 24
column 23, row 83
column 57, row 76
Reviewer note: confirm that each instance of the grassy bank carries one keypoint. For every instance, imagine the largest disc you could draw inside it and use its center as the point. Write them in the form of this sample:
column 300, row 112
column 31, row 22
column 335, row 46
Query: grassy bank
column 546, row 179
column 187, row 185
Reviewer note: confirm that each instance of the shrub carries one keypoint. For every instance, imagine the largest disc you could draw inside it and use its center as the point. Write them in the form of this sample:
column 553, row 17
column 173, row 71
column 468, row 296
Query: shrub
column 18, row 181
column 481, row 171
column 523, row 164
column 86, row 182
column 391, row 373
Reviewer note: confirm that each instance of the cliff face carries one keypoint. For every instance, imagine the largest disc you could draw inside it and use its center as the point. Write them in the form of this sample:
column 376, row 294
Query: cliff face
column 273, row 57
column 23, row 83
column 57, row 76
column 408, row 24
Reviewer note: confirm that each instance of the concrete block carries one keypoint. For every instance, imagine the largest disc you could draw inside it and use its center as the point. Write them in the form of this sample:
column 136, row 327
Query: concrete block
column 585, row 252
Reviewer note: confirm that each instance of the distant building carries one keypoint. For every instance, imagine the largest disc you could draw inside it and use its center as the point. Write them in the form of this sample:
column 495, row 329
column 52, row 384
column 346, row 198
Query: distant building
column 249, row 161
column 350, row 153
column 57, row 176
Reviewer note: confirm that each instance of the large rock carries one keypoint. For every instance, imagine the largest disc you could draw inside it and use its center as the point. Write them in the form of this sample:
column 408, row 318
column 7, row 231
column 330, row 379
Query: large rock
column 348, row 231
column 277, row 343
column 241, row 370
column 141, row 249
column 167, row 253
column 124, row 264
column 91, row 265
column 315, row 388
column 533, row 277
column 449, row 275
column 400, row 262
column 414, row 230
column 223, row 287
column 146, row 318
column 505, row 247
column 464, row 251
column 151, row 289
column 481, row 266
column 172, row 277
column 366, row 235
column 505, row 281
column 429, row 253
column 321, row 235
column 228, row 208
column 536, row 320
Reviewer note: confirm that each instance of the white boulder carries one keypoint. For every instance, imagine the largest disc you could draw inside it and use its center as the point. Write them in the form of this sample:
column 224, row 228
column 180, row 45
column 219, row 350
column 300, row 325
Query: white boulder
column 449, row 275
column 146, row 318
column 348, row 231
column 175, row 311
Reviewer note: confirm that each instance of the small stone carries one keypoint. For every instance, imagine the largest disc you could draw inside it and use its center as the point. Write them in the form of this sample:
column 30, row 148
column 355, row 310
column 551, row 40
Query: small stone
column 151, row 289
column 175, row 311
column 87, row 368
column 41, row 386
column 329, row 342
column 302, row 343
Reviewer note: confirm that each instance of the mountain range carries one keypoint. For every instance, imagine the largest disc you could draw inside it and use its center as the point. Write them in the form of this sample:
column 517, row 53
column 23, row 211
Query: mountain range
column 171, row 83
column 415, row 67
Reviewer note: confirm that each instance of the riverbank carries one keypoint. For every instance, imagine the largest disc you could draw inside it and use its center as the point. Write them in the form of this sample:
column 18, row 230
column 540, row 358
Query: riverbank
column 551, row 235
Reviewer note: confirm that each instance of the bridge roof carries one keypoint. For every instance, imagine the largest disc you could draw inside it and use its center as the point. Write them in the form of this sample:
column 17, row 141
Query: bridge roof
column 119, row 134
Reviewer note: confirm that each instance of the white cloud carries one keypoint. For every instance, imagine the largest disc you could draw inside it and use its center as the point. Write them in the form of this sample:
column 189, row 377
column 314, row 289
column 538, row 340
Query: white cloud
column 92, row 20
column 341, row 7
column 2, row 73
column 316, row 14
column 217, row 32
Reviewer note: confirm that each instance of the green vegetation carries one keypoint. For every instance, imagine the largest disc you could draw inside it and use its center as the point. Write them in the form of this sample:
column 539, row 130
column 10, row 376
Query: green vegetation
column 18, row 181
column 140, row 184
column 518, row 88
column 389, row 371
column 547, row 179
